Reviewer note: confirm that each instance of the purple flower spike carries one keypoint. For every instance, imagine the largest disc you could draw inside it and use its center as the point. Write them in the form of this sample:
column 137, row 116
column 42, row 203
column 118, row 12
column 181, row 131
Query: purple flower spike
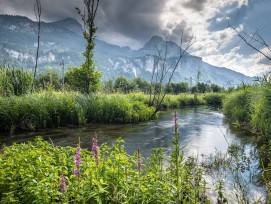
column 62, row 184
column 77, row 160
column 95, row 149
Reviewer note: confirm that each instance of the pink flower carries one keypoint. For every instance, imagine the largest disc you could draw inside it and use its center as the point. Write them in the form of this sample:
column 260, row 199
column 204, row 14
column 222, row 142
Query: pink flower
column 77, row 160
column 95, row 149
column 62, row 184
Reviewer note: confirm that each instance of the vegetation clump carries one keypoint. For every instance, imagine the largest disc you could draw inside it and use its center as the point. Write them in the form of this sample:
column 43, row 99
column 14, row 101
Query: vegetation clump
column 37, row 172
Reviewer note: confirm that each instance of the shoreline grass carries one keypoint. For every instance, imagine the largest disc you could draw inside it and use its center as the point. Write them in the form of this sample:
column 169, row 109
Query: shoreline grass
column 51, row 109
column 252, row 105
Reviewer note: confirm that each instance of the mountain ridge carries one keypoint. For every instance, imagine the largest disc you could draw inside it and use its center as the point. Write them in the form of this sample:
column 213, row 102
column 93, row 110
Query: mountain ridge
column 63, row 40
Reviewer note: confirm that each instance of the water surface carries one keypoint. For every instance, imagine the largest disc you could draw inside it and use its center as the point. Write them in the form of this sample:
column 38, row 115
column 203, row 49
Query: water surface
column 203, row 130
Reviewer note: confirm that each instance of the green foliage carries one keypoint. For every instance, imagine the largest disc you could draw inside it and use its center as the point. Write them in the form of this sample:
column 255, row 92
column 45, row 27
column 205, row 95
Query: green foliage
column 237, row 105
column 181, row 100
column 176, row 88
column 252, row 104
column 201, row 87
column 49, row 80
column 122, row 85
column 214, row 98
column 30, row 173
column 83, row 80
column 261, row 112
column 53, row 109
column 108, row 86
column 14, row 81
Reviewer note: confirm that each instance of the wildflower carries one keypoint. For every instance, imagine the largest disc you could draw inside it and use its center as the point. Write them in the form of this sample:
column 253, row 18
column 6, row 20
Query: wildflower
column 77, row 160
column 62, row 184
column 95, row 149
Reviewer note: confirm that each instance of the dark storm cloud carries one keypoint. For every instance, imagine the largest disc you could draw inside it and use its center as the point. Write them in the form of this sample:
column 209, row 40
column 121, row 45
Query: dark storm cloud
column 137, row 19
column 51, row 10
column 197, row 5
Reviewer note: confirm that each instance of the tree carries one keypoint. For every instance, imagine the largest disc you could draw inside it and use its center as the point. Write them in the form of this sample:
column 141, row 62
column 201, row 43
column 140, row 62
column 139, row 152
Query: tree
column 215, row 88
column 122, row 84
column 163, row 71
column 141, row 85
column 90, row 77
column 37, row 10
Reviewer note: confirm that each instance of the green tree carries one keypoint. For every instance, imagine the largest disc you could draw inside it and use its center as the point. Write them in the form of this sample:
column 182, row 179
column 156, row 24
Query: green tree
column 122, row 85
column 215, row 88
column 88, row 78
column 181, row 87
column 141, row 85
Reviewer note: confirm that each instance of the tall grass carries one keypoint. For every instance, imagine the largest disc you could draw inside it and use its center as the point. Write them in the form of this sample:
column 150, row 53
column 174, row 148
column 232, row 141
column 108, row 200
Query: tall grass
column 253, row 106
column 48, row 109
column 14, row 81
column 237, row 105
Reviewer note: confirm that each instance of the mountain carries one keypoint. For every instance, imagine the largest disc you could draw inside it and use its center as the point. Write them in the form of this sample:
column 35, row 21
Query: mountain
column 62, row 40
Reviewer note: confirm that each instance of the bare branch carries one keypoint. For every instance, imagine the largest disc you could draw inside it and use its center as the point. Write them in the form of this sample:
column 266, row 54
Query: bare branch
column 249, row 43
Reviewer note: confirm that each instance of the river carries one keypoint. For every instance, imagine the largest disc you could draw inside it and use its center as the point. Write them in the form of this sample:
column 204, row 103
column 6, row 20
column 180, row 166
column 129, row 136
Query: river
column 203, row 131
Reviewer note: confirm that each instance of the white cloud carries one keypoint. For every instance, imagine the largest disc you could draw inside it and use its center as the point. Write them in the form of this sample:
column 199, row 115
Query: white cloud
column 213, row 42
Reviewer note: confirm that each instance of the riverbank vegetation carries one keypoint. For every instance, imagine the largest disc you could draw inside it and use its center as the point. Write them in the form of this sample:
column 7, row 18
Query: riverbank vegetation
column 51, row 107
column 47, row 109
column 251, row 106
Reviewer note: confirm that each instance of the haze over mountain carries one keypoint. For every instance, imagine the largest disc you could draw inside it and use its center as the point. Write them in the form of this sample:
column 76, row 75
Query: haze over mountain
column 62, row 40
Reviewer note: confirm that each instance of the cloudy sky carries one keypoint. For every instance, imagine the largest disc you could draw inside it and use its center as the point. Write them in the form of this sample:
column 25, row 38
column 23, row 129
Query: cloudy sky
column 133, row 22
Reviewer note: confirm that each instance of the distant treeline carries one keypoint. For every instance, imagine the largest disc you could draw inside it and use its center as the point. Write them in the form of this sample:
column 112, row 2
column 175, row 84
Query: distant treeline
column 14, row 81
column 124, row 85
